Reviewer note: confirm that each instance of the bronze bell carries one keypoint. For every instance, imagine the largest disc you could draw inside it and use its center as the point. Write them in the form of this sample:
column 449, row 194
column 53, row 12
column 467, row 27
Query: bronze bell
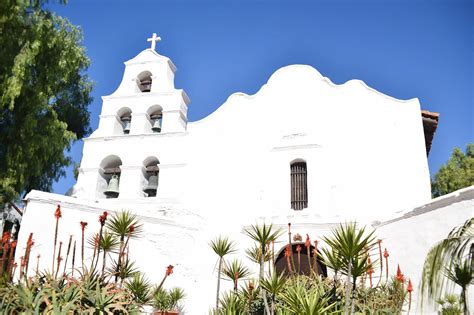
column 156, row 127
column 145, row 85
column 152, row 185
column 126, row 124
column 113, row 188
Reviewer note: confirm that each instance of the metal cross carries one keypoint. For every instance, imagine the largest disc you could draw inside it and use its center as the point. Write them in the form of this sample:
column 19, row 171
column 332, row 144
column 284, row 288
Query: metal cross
column 153, row 40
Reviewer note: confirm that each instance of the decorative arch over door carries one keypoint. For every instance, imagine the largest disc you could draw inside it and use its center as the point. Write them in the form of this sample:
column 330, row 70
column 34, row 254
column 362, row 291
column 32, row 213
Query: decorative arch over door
column 303, row 268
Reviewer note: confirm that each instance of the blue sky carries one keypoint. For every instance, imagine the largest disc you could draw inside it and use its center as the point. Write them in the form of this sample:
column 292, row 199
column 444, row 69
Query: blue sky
column 405, row 49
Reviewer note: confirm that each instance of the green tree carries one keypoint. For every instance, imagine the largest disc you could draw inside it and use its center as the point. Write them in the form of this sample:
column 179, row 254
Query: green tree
column 44, row 95
column 457, row 173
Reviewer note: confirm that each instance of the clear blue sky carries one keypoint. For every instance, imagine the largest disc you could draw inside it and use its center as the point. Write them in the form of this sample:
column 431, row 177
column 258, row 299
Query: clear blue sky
column 405, row 49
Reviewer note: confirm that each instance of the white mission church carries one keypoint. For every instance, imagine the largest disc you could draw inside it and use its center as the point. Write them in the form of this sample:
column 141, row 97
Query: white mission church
column 302, row 150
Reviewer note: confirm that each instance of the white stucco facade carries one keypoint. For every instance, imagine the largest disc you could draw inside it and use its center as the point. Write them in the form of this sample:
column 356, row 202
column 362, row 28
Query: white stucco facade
column 365, row 156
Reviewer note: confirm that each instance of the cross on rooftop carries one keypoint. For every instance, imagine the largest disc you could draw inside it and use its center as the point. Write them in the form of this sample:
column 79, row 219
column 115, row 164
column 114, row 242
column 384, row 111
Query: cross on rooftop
column 153, row 40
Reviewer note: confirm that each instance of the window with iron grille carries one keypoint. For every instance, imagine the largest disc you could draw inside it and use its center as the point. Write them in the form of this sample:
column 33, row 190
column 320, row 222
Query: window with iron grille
column 299, row 186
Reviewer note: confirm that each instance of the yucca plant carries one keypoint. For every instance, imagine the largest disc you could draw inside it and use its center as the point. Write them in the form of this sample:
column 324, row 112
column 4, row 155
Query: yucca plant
column 274, row 285
column 263, row 235
column 234, row 271
column 140, row 288
column 255, row 254
column 352, row 244
column 124, row 225
column 167, row 300
column 125, row 271
column 108, row 244
column 222, row 247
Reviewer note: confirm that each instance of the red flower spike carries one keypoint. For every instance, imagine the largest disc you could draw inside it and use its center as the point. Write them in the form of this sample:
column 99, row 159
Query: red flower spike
column 57, row 213
column 102, row 218
column 410, row 286
column 288, row 251
column 131, row 228
column 400, row 276
column 385, row 253
column 308, row 241
column 6, row 237
column 298, row 248
column 14, row 244
column 83, row 225
column 169, row 270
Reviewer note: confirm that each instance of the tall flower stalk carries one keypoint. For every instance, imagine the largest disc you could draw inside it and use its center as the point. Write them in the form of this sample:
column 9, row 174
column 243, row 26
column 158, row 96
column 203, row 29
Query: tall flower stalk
column 386, row 255
column 307, row 244
column 83, row 227
column 73, row 258
column 57, row 215
column 102, row 220
column 67, row 254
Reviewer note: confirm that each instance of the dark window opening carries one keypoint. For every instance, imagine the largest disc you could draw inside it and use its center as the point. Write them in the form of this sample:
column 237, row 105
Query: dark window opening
column 299, row 186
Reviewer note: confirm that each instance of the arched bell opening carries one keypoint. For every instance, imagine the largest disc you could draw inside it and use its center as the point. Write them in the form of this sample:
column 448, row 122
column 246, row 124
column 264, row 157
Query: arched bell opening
column 302, row 265
column 125, row 118
column 109, row 180
column 151, row 172
column 144, row 81
column 155, row 115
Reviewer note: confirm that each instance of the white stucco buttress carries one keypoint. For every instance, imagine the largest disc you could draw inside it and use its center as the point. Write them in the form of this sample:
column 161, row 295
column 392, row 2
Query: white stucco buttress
column 365, row 155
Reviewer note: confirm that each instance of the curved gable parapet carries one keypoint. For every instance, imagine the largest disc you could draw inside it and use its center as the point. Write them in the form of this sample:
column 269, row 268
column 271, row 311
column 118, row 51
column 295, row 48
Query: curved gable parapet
column 304, row 84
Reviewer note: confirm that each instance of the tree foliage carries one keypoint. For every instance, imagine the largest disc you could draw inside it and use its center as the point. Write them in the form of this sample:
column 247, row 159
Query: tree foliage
column 457, row 173
column 44, row 95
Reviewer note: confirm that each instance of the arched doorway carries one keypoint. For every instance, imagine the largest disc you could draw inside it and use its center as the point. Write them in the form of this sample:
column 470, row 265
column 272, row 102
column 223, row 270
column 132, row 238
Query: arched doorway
column 301, row 266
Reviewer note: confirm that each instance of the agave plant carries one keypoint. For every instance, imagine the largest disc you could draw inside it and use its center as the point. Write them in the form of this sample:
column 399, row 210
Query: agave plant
column 263, row 235
column 222, row 247
column 234, row 271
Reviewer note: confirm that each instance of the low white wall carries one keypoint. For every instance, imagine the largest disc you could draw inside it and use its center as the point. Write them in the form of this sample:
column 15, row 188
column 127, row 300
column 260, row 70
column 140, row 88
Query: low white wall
column 409, row 237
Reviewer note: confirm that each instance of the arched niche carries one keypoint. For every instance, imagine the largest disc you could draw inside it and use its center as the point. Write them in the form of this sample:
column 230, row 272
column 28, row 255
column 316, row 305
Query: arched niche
column 124, row 121
column 150, row 179
column 155, row 118
column 109, row 167
column 281, row 264
column 144, row 81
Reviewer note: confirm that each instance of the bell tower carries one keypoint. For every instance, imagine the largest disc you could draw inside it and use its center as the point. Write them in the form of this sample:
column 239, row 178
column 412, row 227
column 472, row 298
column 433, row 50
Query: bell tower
column 140, row 124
